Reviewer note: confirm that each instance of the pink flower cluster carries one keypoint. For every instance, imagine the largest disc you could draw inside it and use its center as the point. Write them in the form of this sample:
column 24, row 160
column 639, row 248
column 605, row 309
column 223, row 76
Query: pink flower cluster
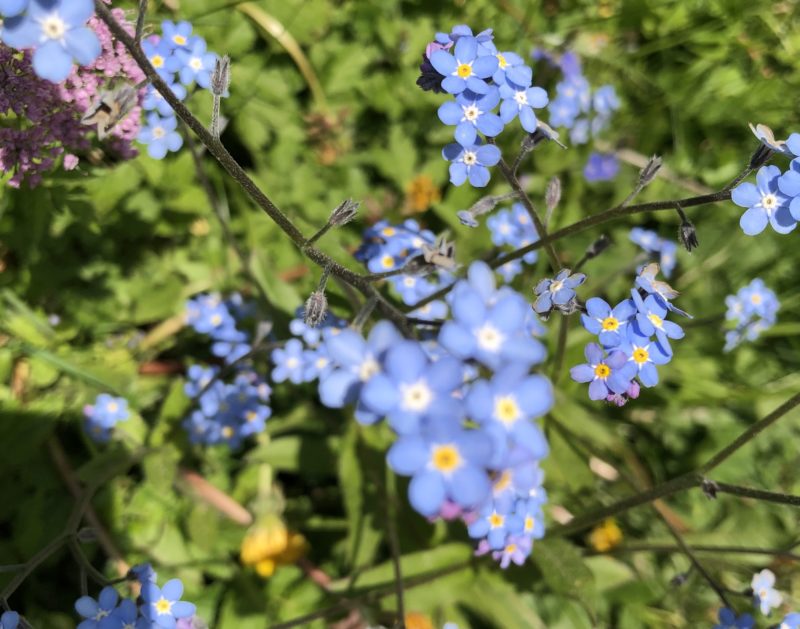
column 42, row 121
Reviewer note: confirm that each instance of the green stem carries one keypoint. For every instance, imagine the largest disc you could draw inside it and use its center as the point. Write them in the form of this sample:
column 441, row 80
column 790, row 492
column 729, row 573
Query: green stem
column 758, row 494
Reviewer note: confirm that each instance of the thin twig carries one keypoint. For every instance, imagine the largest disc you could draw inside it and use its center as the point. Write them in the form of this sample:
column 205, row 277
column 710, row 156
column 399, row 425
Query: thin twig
column 758, row 494
column 140, row 21
column 698, row 548
column 394, row 544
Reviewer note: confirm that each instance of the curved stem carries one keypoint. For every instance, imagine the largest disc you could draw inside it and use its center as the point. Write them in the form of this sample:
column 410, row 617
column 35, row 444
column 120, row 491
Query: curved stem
column 758, row 494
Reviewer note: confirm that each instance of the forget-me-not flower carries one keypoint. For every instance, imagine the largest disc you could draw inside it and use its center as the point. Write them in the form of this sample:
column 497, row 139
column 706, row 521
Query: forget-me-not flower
column 765, row 204
column 160, row 136
column 766, row 596
column 471, row 163
column 610, row 325
column 163, row 606
column 464, row 69
column 606, row 375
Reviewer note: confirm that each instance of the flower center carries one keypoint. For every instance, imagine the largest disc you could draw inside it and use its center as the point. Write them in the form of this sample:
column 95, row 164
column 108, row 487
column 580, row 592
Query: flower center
column 506, row 409
column 196, row 63
column 503, row 482
column 101, row 614
column 556, row 286
column 464, row 70
column 446, row 458
column 388, row 231
column 610, row 323
column 162, row 605
column 471, row 112
column 387, row 261
column 755, row 298
column 409, row 280
column 656, row 320
column 322, row 362
column 470, row 158
column 416, row 397
column 641, row 355
column 511, row 548
column 179, row 39
column 158, row 133
column 113, row 406
column 602, row 371
column 368, row 369
column 769, row 201
column 292, row 363
column 521, row 97
column 53, row 27
column 227, row 432
column 529, row 522
column 496, row 520
column 489, row 338
column 157, row 61
column 251, row 416
column 501, row 61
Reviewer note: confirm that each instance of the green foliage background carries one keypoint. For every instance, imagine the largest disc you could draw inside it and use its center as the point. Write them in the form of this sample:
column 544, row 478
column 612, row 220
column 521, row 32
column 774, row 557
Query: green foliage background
column 115, row 250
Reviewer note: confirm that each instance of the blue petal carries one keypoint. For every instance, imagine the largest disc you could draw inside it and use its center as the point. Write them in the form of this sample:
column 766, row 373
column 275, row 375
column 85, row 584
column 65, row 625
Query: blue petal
column 479, row 401
column 454, row 85
column 528, row 119
column 466, row 49
column 535, row 396
column 87, row 607
column 406, row 361
column 450, row 113
column 484, row 67
column 782, row 220
column 746, row 195
column 458, row 174
column 83, row 44
column 488, row 155
column 465, row 134
column 479, row 176
column 426, row 493
column 380, row 394
column 469, row 486
column 52, row 62
column 582, row 373
column 598, row 390
column 443, row 62
column 490, row 125
column 172, row 590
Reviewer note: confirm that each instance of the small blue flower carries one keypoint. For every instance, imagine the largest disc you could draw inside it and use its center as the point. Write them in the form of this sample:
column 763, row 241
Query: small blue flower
column 601, row 167
column 161, row 56
column 289, row 362
column 10, row 8
column 521, row 101
column 471, row 163
column 464, row 69
column 729, row 620
column 605, row 100
column 176, row 35
column 517, row 550
column 650, row 319
column 472, row 112
column 765, row 204
column 446, row 462
column 9, row 620
column 484, row 38
column 196, row 63
column 495, row 524
column 610, row 325
column 160, row 136
column 123, row 617
column 57, row 30
column 163, row 605
column 94, row 611
column 790, row 621
column 511, row 68
column 766, row 596
column 607, row 375
column 557, row 291
column 645, row 355
column 153, row 100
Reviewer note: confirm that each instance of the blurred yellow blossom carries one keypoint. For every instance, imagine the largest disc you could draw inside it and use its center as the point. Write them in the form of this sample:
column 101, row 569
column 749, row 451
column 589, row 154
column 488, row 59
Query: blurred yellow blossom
column 605, row 536
column 421, row 193
column 269, row 544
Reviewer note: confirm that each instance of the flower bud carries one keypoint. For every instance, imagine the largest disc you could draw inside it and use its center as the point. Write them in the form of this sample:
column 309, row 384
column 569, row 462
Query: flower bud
column 687, row 234
column 221, row 77
column 344, row 213
column 650, row 170
column 598, row 247
column 710, row 488
column 760, row 157
column 467, row 217
column 552, row 195
column 315, row 309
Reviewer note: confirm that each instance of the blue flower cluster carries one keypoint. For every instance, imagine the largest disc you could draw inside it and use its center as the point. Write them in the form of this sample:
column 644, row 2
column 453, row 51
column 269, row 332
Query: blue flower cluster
column 386, row 247
column 305, row 358
column 753, row 309
column 584, row 112
column 633, row 340
column 480, row 78
column 463, row 408
column 652, row 243
column 513, row 227
column 217, row 319
column 103, row 415
column 56, row 31
column 160, row 607
column 557, row 293
column 181, row 60
column 765, row 599
column 601, row 167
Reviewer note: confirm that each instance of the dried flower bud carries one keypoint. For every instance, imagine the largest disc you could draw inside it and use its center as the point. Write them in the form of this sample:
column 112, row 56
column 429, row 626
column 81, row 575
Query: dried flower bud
column 597, row 247
column 344, row 213
column 687, row 234
column 315, row 309
column 221, row 77
column 552, row 195
column 760, row 157
column 650, row 170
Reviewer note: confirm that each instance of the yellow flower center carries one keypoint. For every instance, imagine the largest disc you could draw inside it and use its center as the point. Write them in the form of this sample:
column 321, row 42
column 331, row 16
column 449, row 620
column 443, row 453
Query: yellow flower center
column 610, row 323
column 496, row 520
column 179, row 39
column 163, row 606
column 389, row 231
column 501, row 61
column 529, row 522
column 446, row 458
column 502, row 482
column 251, row 416
column 157, row 61
column 641, row 355
column 506, row 409
column 368, row 369
column 656, row 320
column 755, row 298
column 511, row 548
column 464, row 70
column 113, row 407
column 602, row 371
column 387, row 261
column 227, row 432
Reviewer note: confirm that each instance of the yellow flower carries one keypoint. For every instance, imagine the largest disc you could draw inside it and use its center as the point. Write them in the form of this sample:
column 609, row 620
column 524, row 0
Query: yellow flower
column 417, row 620
column 269, row 544
column 605, row 536
column 421, row 193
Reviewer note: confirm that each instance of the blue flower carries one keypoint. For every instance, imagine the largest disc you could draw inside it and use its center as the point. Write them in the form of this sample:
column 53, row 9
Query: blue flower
column 160, row 54
column 153, row 100
column 9, row 620
column 521, row 101
column 605, row 100
column 645, row 355
column 646, row 280
column 517, row 550
column 446, row 462
column 789, row 184
column 471, row 162
column 103, row 415
column 464, row 69
column 766, row 596
column 10, row 8
column 529, row 510
column 176, row 35
column 484, row 38
column 94, row 611
column 511, row 68
column 472, row 112
column 791, row 621
column 610, row 325
column 729, row 620
column 488, row 324
column 411, row 388
column 767, row 138
column 163, row 605
column 356, row 361
column 58, row 32
column 650, row 319
column 607, row 375
column 160, row 135
column 558, row 291
column 123, row 617
column 288, row 361
column 506, row 406
column 765, row 203
column 601, row 167
column 196, row 63
column 495, row 524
